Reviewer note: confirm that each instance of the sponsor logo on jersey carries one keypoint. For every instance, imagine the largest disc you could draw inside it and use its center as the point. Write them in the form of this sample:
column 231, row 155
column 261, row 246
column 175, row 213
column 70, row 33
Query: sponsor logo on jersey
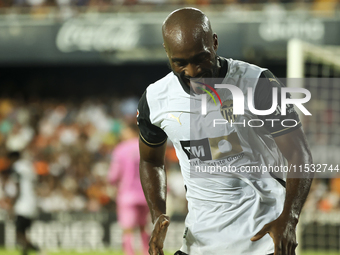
column 171, row 116
column 273, row 79
column 213, row 148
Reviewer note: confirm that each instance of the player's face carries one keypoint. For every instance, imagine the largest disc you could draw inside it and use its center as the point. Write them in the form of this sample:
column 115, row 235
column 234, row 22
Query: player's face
column 190, row 59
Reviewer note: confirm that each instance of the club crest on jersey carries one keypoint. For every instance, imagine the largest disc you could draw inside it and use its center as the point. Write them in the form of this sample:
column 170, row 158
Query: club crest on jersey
column 227, row 111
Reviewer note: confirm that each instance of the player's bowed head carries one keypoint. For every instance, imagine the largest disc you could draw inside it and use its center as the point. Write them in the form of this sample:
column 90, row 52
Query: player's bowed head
column 191, row 46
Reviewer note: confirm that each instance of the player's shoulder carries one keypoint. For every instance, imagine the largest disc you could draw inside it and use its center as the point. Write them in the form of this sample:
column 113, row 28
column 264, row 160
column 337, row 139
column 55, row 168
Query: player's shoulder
column 238, row 67
column 161, row 88
column 157, row 94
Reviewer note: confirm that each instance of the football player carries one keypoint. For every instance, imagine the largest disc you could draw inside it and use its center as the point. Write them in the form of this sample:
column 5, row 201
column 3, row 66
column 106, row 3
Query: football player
column 232, row 212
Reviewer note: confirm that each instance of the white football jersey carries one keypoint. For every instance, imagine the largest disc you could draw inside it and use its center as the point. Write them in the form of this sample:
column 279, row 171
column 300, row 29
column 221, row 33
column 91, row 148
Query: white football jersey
column 26, row 204
column 226, row 207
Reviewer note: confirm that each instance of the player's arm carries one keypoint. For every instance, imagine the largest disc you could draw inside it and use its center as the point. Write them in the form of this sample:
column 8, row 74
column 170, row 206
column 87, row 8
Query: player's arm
column 153, row 178
column 152, row 145
column 17, row 194
column 294, row 147
column 283, row 230
column 15, row 177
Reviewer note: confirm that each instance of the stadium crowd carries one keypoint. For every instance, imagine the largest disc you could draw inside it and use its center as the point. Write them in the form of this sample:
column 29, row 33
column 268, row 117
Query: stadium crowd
column 41, row 6
column 70, row 146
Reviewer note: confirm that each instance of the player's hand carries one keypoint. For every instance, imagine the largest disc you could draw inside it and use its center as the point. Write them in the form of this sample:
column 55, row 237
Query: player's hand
column 283, row 233
column 158, row 235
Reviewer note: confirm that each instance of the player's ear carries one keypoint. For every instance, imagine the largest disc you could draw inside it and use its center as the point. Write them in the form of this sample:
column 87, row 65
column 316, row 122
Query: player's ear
column 215, row 42
column 165, row 50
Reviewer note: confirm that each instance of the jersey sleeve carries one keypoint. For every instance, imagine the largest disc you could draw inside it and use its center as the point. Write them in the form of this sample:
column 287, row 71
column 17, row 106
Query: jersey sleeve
column 150, row 134
column 263, row 101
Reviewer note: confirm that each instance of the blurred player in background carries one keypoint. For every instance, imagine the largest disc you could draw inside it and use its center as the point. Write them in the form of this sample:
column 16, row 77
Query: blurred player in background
column 25, row 202
column 8, row 187
column 132, row 209
column 233, row 212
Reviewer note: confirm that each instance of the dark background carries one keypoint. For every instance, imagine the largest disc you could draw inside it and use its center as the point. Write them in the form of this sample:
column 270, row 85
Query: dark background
column 83, row 81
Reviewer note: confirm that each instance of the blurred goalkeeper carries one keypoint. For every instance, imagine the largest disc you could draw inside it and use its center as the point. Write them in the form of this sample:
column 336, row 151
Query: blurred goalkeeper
column 132, row 208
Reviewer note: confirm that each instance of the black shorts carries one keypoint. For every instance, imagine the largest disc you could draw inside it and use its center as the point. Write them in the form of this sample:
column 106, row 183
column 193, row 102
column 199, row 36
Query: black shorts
column 182, row 253
column 22, row 224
